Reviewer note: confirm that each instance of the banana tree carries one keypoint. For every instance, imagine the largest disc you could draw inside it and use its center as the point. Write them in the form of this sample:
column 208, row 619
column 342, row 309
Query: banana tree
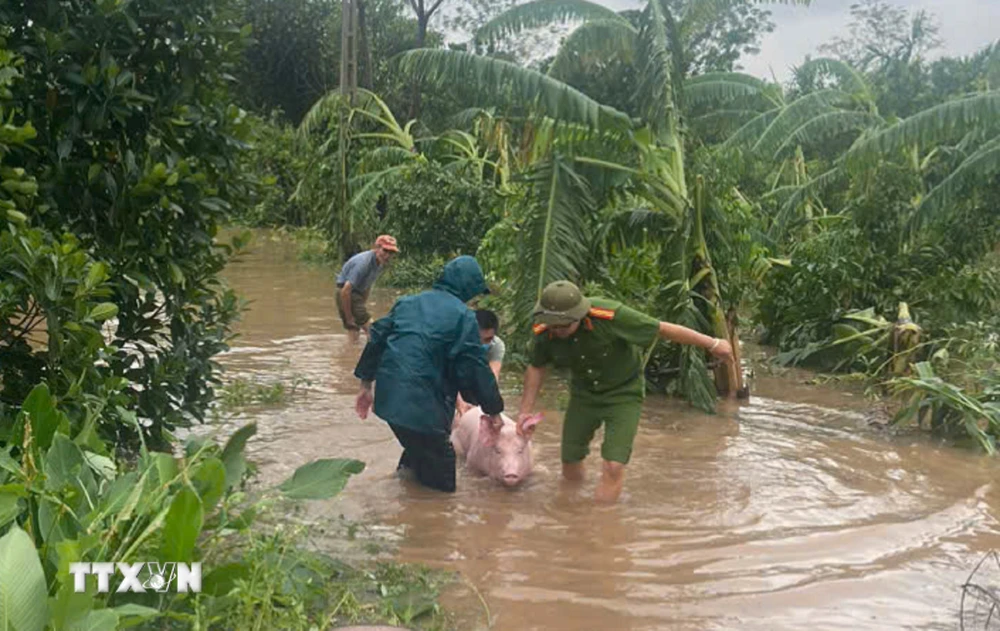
column 563, row 199
column 865, row 337
column 968, row 127
column 971, row 124
column 390, row 150
column 495, row 135
column 772, row 129
column 768, row 127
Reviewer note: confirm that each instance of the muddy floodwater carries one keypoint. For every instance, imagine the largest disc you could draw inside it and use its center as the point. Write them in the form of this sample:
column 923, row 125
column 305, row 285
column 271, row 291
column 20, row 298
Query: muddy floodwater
column 784, row 512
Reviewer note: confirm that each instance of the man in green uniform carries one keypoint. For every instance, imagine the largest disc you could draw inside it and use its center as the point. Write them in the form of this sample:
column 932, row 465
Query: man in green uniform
column 601, row 341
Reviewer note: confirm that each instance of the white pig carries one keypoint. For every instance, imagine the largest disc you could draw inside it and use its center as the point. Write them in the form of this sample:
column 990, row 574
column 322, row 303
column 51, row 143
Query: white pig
column 501, row 454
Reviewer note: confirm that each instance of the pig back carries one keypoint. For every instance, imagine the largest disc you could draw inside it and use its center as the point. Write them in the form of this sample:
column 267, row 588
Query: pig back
column 466, row 429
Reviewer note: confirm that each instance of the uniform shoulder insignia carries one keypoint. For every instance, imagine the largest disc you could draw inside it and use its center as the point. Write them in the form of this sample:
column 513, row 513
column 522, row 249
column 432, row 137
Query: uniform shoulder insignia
column 540, row 328
column 602, row 314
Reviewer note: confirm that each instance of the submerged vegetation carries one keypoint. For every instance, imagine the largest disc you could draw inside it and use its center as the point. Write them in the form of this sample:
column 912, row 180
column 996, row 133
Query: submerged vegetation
column 847, row 217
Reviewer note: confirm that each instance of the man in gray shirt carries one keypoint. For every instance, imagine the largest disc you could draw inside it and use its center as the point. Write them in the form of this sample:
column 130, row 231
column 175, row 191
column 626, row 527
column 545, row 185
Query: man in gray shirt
column 356, row 279
column 492, row 344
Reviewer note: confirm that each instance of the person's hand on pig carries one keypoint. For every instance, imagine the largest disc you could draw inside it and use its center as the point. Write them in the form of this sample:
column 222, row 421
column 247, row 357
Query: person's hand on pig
column 527, row 418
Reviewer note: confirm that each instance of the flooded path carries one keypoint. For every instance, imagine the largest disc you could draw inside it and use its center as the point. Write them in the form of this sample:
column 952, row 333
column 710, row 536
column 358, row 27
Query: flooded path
column 780, row 513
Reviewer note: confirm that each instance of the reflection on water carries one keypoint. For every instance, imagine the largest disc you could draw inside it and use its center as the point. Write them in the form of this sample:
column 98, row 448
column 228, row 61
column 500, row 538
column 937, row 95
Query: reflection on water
column 780, row 513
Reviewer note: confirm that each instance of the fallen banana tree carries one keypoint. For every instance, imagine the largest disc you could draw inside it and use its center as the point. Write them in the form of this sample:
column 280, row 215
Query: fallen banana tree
column 866, row 339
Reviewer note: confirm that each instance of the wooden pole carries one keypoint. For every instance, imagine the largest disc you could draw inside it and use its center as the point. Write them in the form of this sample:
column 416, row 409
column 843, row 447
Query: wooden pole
column 348, row 91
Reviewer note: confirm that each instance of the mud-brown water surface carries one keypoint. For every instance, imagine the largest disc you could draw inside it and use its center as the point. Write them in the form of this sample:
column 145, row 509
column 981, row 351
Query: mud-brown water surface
column 784, row 512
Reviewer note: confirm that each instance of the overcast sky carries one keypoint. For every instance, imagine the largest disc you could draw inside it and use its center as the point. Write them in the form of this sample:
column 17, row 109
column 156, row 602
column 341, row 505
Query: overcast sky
column 966, row 26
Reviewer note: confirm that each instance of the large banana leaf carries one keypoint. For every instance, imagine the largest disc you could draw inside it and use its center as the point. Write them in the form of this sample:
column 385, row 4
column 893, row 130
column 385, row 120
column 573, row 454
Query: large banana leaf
column 980, row 167
column 721, row 87
column 748, row 134
column 656, row 72
column 23, row 593
column 556, row 231
column 927, row 390
column 943, row 123
column 823, row 127
column 797, row 114
column 502, row 82
column 599, row 41
column 850, row 79
column 542, row 13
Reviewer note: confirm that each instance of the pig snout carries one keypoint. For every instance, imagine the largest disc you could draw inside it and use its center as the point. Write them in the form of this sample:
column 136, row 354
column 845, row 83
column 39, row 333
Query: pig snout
column 513, row 468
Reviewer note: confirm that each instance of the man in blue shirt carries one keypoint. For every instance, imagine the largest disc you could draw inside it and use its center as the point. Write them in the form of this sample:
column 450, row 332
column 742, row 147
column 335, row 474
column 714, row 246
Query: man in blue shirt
column 355, row 281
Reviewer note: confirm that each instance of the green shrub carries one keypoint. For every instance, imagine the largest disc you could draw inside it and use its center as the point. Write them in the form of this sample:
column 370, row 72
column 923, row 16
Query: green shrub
column 63, row 502
column 434, row 212
column 414, row 272
column 275, row 164
column 136, row 157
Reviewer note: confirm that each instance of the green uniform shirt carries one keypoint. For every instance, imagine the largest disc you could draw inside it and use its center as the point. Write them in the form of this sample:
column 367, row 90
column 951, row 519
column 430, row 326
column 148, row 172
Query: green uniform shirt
column 605, row 353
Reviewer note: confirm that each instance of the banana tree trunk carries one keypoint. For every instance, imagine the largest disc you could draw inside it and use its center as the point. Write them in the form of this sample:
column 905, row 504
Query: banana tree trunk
column 801, row 178
column 905, row 339
column 728, row 377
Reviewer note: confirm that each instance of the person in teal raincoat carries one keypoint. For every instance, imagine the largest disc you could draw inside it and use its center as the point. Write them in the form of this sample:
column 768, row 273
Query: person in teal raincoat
column 425, row 352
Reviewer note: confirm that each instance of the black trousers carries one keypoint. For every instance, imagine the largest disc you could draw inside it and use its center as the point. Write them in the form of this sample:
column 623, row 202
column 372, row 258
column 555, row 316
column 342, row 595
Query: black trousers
column 431, row 457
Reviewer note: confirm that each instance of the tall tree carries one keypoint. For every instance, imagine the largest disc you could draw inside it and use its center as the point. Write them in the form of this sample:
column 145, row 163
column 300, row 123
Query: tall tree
column 890, row 45
column 882, row 34
column 714, row 42
column 471, row 15
column 294, row 57
column 424, row 10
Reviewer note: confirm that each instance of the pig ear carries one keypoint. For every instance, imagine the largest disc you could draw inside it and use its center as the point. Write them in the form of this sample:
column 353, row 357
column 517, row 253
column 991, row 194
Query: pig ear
column 528, row 427
column 487, row 434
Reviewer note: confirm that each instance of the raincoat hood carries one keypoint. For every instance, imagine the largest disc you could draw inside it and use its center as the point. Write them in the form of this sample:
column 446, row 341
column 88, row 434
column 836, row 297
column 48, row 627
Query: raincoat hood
column 462, row 277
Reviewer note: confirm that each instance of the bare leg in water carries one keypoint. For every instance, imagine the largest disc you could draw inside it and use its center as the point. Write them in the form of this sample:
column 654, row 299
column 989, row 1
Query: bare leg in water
column 612, row 481
column 573, row 473
column 610, row 486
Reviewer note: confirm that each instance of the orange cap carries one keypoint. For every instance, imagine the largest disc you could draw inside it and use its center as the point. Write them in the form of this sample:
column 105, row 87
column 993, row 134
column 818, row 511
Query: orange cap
column 388, row 243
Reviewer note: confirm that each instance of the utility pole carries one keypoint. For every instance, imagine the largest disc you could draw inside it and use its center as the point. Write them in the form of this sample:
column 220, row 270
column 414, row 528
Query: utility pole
column 348, row 92
column 349, row 49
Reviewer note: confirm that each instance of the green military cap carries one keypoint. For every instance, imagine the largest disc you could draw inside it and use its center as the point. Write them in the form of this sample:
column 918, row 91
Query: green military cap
column 561, row 303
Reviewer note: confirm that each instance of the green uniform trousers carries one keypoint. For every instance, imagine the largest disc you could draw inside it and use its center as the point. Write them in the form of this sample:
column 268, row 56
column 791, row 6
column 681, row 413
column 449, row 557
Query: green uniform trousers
column 618, row 410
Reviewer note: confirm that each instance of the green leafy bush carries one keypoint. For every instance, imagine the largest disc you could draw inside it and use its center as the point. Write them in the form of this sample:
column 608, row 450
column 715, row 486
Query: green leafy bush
column 414, row 272
column 118, row 162
column 434, row 212
column 62, row 502
column 135, row 156
column 276, row 165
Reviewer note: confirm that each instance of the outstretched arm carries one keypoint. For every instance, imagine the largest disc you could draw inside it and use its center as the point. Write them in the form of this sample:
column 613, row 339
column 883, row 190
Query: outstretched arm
column 642, row 330
column 683, row 335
